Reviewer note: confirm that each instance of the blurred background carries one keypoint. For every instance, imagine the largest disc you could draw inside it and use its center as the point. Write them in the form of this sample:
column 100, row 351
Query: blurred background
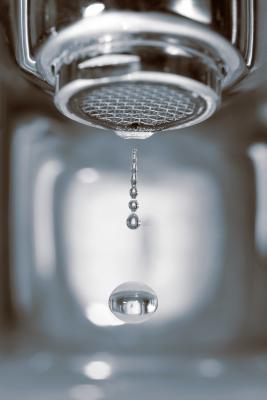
column 64, row 247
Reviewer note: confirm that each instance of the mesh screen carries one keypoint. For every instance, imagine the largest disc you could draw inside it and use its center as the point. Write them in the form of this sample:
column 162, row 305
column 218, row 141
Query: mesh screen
column 137, row 106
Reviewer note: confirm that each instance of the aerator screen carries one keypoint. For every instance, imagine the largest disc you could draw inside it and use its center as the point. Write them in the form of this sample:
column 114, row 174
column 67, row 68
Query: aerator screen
column 137, row 106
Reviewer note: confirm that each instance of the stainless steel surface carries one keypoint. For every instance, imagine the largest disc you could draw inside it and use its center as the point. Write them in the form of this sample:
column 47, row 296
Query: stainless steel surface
column 138, row 107
column 151, row 68
column 205, row 43
column 22, row 42
column 234, row 20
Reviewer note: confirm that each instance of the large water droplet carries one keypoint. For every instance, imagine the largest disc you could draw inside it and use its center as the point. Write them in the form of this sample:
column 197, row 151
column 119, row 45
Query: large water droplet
column 133, row 302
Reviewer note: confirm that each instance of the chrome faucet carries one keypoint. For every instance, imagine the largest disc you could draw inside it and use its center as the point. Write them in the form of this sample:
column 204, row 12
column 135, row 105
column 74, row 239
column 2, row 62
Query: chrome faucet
column 136, row 67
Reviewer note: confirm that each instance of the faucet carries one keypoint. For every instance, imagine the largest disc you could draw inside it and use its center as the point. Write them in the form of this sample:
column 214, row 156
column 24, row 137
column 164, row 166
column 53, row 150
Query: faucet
column 136, row 67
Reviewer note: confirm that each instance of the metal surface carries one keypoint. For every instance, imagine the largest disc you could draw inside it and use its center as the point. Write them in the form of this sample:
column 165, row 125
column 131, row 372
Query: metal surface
column 130, row 47
column 22, row 42
column 138, row 107
column 124, row 29
column 152, row 80
column 52, row 37
column 243, row 17
column 234, row 20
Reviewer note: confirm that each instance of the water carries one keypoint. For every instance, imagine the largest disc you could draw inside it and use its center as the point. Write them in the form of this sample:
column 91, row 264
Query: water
column 133, row 192
column 133, row 221
column 134, row 134
column 133, row 205
column 133, row 302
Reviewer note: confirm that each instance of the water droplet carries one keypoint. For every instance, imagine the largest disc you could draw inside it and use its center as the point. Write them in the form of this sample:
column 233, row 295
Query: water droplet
column 134, row 166
column 133, row 205
column 134, row 134
column 133, row 179
column 133, row 221
column 133, row 302
column 133, row 192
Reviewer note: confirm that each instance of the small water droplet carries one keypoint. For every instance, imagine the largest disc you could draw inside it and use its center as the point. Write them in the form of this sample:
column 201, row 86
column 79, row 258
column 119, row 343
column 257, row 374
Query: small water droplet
column 133, row 192
column 133, row 205
column 133, row 179
column 133, row 302
column 134, row 166
column 133, row 221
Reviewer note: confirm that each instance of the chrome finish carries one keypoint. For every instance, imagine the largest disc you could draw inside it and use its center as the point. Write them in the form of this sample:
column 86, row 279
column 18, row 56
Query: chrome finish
column 27, row 62
column 123, row 30
column 243, row 29
column 63, row 44
column 250, row 33
column 155, row 50
column 190, row 86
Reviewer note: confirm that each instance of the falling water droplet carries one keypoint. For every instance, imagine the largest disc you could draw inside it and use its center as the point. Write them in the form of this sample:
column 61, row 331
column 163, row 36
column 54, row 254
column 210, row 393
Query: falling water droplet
column 133, row 179
column 133, row 221
column 133, row 205
column 133, row 192
column 133, row 302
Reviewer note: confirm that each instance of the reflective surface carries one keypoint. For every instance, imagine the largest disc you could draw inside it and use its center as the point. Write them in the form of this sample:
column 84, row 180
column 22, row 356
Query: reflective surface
column 133, row 302
column 93, row 53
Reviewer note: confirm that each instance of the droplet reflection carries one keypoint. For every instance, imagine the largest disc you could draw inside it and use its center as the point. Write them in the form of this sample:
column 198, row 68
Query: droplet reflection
column 133, row 302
